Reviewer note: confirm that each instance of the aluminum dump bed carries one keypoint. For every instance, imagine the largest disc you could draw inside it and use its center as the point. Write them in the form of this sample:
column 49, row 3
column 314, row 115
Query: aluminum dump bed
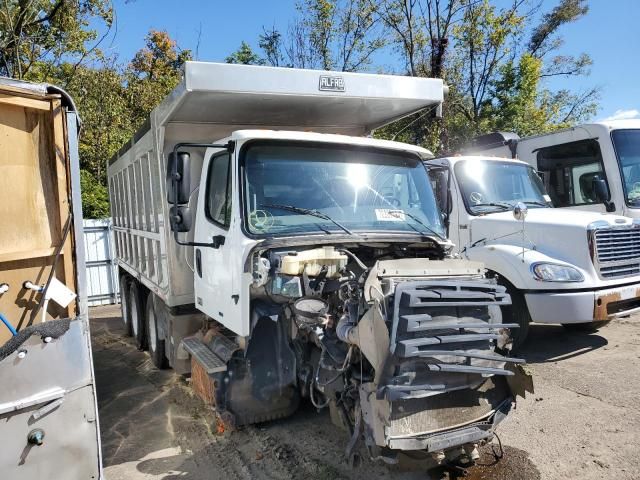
column 212, row 101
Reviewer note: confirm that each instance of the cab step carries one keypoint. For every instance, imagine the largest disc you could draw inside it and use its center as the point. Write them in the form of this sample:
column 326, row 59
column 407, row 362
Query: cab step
column 210, row 362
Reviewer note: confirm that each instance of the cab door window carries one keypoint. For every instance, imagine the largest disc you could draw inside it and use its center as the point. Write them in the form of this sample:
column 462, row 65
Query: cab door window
column 569, row 171
column 218, row 195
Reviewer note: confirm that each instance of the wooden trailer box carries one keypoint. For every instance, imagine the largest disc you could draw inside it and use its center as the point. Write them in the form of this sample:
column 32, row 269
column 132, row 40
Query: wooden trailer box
column 36, row 221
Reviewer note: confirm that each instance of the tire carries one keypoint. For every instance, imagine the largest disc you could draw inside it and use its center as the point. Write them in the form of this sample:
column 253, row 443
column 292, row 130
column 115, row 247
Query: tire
column 156, row 346
column 518, row 313
column 124, row 304
column 136, row 310
column 586, row 327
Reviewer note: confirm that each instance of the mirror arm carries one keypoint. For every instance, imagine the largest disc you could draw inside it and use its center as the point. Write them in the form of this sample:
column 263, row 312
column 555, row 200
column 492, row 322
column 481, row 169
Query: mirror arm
column 175, row 178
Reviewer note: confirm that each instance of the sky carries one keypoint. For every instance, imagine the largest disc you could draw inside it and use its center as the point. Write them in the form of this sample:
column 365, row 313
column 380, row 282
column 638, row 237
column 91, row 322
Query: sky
column 609, row 33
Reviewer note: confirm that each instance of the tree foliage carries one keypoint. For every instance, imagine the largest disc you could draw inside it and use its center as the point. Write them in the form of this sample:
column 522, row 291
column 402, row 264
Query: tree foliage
column 245, row 56
column 496, row 57
column 155, row 70
column 326, row 34
column 37, row 35
column 95, row 198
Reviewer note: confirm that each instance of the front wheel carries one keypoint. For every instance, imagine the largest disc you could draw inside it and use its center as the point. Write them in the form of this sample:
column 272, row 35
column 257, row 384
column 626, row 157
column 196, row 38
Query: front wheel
column 586, row 327
column 518, row 313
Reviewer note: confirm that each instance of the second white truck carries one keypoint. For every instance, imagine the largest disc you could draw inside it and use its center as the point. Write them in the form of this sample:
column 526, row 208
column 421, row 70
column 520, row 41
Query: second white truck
column 577, row 268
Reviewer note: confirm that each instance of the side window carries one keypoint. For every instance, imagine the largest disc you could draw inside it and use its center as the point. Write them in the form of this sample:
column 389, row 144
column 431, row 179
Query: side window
column 218, row 208
column 439, row 178
column 568, row 171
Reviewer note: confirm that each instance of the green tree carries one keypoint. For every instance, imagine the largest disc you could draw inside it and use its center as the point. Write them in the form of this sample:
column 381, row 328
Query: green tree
column 153, row 73
column 327, row 34
column 95, row 199
column 245, row 56
column 37, row 35
column 107, row 123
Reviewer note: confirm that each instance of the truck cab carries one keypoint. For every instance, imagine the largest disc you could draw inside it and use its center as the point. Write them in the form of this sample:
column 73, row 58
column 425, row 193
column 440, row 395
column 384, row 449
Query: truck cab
column 576, row 268
column 594, row 167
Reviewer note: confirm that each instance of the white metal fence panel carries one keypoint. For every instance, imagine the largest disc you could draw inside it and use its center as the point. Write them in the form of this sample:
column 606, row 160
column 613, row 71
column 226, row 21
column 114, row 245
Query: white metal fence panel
column 102, row 275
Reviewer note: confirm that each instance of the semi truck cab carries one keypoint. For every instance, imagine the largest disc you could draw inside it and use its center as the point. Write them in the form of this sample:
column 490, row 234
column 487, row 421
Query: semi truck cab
column 593, row 167
column 576, row 268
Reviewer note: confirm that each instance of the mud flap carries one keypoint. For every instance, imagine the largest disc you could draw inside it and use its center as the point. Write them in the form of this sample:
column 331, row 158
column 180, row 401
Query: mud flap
column 262, row 384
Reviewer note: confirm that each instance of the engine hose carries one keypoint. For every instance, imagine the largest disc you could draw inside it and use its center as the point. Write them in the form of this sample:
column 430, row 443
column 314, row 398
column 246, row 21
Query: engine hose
column 313, row 400
column 8, row 325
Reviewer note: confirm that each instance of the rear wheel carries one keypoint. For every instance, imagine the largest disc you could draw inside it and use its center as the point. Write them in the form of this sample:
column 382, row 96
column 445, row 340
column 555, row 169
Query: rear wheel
column 518, row 313
column 137, row 315
column 156, row 346
column 586, row 327
column 124, row 304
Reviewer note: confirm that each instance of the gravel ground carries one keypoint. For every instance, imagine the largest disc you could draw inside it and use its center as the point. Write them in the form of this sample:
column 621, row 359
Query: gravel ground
column 582, row 422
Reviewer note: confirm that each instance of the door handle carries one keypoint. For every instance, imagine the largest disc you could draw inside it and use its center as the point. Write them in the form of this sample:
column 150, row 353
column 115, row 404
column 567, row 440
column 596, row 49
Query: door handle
column 218, row 241
column 199, row 262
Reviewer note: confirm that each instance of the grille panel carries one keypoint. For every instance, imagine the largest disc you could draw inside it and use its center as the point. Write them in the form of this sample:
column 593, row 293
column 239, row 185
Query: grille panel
column 618, row 251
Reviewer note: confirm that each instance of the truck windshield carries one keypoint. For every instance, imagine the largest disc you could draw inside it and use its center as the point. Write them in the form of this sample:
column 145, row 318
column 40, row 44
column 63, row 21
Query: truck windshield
column 298, row 188
column 489, row 186
column 627, row 146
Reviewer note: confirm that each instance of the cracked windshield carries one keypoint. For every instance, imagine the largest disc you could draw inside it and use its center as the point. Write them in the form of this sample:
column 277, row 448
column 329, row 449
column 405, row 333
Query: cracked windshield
column 627, row 145
column 492, row 186
column 302, row 188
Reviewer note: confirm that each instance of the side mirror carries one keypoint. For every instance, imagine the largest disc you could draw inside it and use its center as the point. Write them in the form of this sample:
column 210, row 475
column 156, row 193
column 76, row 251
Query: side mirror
column 180, row 218
column 520, row 211
column 600, row 189
column 178, row 177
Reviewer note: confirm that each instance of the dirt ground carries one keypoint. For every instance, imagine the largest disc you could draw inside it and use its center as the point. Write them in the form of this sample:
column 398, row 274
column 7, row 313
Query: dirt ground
column 583, row 421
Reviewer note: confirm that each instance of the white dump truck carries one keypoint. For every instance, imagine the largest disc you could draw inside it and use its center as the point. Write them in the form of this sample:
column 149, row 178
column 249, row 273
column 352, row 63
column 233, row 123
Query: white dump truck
column 48, row 410
column 272, row 251
column 575, row 268
column 595, row 166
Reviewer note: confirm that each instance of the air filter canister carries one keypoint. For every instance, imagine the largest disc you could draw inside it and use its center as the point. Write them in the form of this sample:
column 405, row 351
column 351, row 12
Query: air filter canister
column 310, row 311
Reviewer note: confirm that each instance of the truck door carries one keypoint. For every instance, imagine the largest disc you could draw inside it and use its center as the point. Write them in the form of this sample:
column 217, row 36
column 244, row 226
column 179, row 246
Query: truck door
column 569, row 170
column 213, row 266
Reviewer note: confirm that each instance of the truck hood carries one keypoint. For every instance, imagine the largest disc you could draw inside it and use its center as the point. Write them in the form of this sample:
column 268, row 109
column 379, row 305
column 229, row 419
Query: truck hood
column 542, row 218
column 561, row 235
column 553, row 229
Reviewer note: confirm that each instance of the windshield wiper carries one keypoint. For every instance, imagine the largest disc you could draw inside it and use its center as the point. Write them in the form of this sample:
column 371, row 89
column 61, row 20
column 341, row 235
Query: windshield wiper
column 529, row 202
column 417, row 220
column 503, row 206
column 307, row 211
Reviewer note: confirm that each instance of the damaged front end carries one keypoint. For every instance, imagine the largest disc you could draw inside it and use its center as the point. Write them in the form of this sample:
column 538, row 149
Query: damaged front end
column 408, row 353
column 442, row 385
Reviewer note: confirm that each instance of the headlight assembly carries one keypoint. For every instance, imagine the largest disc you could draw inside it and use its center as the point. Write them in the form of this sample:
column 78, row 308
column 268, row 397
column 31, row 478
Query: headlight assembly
column 552, row 272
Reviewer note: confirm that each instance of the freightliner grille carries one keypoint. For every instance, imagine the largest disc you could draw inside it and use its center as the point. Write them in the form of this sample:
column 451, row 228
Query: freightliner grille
column 618, row 251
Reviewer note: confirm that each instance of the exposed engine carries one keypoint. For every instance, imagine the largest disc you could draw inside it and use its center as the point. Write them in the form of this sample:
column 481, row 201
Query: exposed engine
column 407, row 352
